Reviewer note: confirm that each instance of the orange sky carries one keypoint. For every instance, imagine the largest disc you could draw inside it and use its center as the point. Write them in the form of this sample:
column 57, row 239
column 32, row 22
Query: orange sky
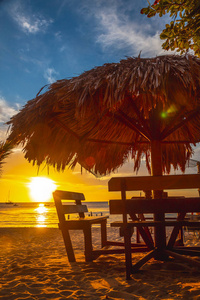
column 17, row 174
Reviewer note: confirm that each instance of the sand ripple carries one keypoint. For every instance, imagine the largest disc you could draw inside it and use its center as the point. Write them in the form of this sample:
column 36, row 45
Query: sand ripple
column 33, row 265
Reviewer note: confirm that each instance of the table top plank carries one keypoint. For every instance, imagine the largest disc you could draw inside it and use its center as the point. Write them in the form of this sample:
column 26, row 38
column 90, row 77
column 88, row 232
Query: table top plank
column 149, row 206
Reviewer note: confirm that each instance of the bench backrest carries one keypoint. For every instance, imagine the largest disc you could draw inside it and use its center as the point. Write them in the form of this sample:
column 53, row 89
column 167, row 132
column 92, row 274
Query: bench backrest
column 145, row 183
column 64, row 207
column 151, row 206
column 149, row 183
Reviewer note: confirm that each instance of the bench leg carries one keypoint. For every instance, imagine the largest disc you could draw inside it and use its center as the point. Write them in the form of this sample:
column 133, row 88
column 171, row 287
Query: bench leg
column 137, row 236
column 87, row 230
column 103, row 233
column 128, row 256
column 175, row 232
column 68, row 245
column 144, row 232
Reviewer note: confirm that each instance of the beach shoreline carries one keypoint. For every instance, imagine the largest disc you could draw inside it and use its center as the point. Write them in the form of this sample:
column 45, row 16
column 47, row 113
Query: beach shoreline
column 34, row 265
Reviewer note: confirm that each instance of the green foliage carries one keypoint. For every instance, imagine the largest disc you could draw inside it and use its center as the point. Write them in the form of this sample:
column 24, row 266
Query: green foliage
column 183, row 32
column 5, row 150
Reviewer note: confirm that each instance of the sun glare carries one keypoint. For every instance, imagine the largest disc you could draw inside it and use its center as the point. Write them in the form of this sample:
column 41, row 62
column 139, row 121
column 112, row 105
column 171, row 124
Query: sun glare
column 41, row 188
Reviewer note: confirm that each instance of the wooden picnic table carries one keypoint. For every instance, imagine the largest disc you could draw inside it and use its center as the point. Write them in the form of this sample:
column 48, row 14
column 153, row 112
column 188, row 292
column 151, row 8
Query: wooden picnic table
column 158, row 246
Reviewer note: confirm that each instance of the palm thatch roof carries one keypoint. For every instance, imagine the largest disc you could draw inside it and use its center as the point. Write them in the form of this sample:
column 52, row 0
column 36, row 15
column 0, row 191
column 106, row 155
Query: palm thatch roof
column 112, row 113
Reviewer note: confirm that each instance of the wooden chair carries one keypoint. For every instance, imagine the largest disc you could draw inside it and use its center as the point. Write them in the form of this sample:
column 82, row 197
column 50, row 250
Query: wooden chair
column 81, row 223
column 194, row 230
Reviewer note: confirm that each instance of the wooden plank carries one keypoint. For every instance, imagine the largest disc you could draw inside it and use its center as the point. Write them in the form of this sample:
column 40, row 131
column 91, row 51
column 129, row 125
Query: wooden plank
column 96, row 219
column 118, row 224
column 192, row 224
column 141, row 183
column 118, row 251
column 68, row 245
column 121, row 244
column 80, row 223
column 187, row 251
column 134, row 223
column 143, row 261
column 193, row 262
column 71, row 209
column 68, row 195
column 168, row 205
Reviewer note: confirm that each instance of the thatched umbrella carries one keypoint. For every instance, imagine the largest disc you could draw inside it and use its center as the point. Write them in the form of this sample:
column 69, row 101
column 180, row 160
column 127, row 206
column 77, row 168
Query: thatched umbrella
column 111, row 113
column 139, row 107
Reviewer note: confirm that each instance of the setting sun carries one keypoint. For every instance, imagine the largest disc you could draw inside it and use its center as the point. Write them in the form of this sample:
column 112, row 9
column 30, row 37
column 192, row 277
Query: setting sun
column 41, row 188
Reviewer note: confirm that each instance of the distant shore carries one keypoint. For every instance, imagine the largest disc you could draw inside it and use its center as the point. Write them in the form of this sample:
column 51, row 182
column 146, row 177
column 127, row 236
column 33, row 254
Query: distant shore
column 34, row 265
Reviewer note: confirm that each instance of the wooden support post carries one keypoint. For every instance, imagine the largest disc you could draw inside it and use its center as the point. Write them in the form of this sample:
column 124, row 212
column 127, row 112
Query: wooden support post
column 156, row 170
column 127, row 233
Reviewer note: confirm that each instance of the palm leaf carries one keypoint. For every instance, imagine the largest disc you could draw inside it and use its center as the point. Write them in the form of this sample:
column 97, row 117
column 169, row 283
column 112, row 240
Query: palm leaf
column 5, row 151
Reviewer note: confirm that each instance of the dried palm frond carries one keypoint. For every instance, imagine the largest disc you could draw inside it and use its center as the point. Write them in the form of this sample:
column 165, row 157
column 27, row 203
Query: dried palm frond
column 5, row 151
column 102, row 117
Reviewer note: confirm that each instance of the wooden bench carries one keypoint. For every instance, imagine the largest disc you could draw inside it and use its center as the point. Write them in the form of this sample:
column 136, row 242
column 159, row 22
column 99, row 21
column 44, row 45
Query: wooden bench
column 81, row 223
column 157, row 248
column 195, row 230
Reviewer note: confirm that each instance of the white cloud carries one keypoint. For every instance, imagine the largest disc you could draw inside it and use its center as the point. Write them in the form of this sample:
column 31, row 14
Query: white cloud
column 119, row 32
column 50, row 75
column 121, row 28
column 31, row 26
column 28, row 22
column 3, row 132
column 6, row 111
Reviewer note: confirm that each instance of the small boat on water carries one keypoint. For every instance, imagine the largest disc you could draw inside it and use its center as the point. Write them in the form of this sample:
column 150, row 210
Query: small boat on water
column 9, row 202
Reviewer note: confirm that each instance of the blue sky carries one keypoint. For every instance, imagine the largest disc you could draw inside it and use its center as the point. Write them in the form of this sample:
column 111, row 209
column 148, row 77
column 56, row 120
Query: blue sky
column 42, row 41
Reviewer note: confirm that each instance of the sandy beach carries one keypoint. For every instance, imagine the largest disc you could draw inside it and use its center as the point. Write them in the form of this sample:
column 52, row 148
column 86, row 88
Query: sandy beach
column 34, row 265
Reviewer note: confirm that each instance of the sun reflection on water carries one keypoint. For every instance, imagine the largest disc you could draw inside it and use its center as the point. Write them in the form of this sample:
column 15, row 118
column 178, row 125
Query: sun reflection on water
column 41, row 216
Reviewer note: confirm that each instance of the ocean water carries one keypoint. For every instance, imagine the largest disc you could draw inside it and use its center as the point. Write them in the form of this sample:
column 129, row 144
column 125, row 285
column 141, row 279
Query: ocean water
column 34, row 214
